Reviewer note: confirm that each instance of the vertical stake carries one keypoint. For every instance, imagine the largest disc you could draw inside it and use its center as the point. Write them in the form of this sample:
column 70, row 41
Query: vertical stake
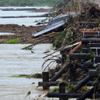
column 62, row 91
column 45, row 77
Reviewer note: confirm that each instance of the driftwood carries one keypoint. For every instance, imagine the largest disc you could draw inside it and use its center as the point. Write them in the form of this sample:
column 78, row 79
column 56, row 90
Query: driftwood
column 63, row 47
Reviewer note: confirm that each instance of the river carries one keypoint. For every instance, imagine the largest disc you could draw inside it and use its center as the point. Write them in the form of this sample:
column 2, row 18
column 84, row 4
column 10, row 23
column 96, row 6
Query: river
column 21, row 21
column 14, row 61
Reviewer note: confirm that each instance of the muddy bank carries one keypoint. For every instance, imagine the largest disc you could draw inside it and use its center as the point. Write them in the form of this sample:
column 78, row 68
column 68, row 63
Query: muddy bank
column 44, row 15
column 27, row 9
column 22, row 33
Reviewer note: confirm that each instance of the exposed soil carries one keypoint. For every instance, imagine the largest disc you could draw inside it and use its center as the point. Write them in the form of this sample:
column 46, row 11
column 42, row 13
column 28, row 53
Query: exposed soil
column 22, row 33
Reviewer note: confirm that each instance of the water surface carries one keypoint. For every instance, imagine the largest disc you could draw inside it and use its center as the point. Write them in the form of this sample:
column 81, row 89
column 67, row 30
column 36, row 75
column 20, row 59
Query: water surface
column 27, row 21
column 13, row 62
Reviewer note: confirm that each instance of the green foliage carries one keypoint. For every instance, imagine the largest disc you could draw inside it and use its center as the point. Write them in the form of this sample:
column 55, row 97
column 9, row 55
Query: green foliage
column 29, row 2
column 69, row 87
column 27, row 48
column 36, row 87
column 54, row 89
column 59, row 39
column 58, row 12
column 13, row 41
column 18, row 76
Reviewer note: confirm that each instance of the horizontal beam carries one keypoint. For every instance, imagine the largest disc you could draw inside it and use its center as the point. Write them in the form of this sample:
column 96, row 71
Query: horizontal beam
column 74, row 56
column 48, row 83
column 70, row 95
column 90, row 40
column 93, row 44
column 65, row 68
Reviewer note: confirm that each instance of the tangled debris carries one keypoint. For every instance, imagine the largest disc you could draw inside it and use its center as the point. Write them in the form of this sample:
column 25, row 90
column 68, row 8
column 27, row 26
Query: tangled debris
column 80, row 64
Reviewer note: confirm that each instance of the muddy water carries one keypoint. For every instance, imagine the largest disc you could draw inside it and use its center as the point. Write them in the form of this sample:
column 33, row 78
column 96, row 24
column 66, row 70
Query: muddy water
column 28, row 21
column 14, row 61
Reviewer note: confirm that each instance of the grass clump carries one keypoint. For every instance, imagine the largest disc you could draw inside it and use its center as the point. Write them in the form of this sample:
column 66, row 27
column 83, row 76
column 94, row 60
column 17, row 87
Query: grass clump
column 13, row 41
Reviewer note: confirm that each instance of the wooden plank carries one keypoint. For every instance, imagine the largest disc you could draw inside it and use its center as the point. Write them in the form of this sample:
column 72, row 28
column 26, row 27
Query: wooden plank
column 75, row 56
column 93, row 73
column 85, row 41
column 80, row 84
column 92, row 36
column 53, row 83
column 55, row 77
column 85, row 50
column 71, row 95
column 86, row 22
column 91, row 33
column 90, row 40
column 93, row 44
column 90, row 92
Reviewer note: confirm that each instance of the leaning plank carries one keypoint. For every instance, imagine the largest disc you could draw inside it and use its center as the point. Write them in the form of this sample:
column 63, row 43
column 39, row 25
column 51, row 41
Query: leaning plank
column 55, row 77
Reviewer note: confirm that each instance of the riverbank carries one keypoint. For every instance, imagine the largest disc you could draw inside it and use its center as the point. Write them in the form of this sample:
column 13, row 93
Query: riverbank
column 22, row 33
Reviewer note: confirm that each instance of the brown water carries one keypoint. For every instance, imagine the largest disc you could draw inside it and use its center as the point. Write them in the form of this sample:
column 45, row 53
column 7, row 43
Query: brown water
column 14, row 61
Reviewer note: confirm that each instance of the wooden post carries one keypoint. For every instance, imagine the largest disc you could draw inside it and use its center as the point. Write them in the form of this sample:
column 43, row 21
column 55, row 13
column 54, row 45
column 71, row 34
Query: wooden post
column 62, row 90
column 62, row 87
column 72, row 73
column 63, row 53
column 45, row 77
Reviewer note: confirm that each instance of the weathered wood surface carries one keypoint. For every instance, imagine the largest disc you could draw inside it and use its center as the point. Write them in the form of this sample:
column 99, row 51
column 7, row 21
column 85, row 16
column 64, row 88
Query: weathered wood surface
column 85, row 65
column 74, row 56
column 93, row 44
column 90, row 92
column 45, row 78
column 91, row 36
column 55, row 83
column 80, row 84
column 93, row 73
column 91, row 33
column 55, row 77
column 90, row 40
column 86, row 41
column 74, row 95
column 86, row 22
column 48, row 83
